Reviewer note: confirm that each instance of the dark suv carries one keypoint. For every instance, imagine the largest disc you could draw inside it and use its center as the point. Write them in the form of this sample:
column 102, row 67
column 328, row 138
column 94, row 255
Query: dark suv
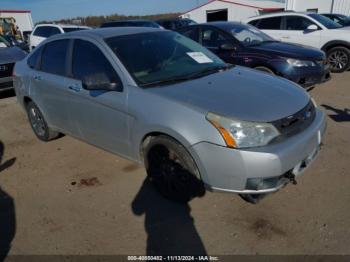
column 245, row 45
column 338, row 18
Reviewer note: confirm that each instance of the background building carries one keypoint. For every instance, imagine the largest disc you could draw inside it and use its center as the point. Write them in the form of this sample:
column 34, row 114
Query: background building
column 320, row 6
column 23, row 18
column 231, row 10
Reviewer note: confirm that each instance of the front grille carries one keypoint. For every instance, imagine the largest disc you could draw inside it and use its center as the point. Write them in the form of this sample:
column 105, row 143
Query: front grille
column 6, row 69
column 298, row 122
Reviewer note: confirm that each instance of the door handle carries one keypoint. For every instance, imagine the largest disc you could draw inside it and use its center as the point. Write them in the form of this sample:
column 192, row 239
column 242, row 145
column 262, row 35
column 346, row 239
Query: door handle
column 39, row 78
column 74, row 88
column 286, row 37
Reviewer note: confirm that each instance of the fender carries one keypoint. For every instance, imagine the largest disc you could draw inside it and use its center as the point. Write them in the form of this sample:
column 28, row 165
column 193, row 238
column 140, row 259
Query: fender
column 334, row 43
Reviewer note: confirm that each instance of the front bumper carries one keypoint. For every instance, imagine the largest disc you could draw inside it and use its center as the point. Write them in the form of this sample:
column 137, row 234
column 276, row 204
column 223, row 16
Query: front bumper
column 229, row 170
column 6, row 83
column 308, row 76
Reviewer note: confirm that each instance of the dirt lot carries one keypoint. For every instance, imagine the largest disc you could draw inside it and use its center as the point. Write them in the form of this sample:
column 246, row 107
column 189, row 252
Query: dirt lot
column 67, row 197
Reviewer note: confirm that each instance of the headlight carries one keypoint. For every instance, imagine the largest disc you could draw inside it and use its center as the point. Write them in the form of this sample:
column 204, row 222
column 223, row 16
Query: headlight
column 300, row 63
column 242, row 134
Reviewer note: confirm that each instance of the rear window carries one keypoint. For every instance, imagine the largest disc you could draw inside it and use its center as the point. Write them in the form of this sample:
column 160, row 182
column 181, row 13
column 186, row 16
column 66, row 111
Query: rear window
column 46, row 31
column 271, row 23
column 72, row 29
column 53, row 59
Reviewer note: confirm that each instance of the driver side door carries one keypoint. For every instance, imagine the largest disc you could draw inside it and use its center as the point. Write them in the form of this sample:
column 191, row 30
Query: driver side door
column 101, row 113
column 295, row 31
column 213, row 40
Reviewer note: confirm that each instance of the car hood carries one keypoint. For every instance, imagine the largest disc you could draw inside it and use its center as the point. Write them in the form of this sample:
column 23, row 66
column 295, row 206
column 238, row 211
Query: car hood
column 239, row 93
column 11, row 54
column 290, row 50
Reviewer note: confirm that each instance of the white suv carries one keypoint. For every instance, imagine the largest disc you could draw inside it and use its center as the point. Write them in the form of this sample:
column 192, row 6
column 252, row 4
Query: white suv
column 43, row 31
column 309, row 29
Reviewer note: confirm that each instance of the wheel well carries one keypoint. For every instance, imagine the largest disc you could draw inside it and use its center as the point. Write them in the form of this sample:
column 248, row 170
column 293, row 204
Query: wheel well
column 148, row 137
column 268, row 67
column 328, row 47
column 26, row 100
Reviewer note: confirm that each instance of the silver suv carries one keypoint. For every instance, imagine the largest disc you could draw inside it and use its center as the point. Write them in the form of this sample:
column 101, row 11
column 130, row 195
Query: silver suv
column 156, row 97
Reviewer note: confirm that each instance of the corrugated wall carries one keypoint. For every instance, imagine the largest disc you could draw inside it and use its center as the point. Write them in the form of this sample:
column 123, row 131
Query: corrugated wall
column 341, row 7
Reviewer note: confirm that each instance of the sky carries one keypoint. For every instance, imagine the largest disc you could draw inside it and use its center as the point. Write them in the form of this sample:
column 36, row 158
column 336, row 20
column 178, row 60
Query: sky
column 57, row 9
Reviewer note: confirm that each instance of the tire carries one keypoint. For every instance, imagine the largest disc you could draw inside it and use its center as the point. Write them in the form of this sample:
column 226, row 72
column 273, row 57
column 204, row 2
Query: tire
column 39, row 124
column 338, row 59
column 252, row 198
column 172, row 170
column 264, row 69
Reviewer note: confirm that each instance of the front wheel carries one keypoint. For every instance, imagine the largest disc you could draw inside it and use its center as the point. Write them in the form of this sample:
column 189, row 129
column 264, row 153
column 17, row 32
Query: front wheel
column 172, row 170
column 38, row 123
column 338, row 59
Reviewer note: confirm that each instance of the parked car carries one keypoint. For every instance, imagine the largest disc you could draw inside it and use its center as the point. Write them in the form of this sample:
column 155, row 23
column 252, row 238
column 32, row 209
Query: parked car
column 338, row 18
column 157, row 97
column 175, row 23
column 43, row 31
column 131, row 23
column 242, row 44
column 9, row 55
column 309, row 29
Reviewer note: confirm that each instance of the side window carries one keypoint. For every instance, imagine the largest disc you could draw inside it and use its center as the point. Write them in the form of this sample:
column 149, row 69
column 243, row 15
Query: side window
column 91, row 66
column 46, row 31
column 54, row 31
column 42, row 31
column 272, row 23
column 33, row 60
column 53, row 58
column 297, row 23
column 254, row 22
column 212, row 38
column 191, row 33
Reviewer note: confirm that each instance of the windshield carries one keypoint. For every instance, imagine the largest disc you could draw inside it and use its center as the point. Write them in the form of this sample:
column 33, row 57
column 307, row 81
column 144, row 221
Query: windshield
column 250, row 36
column 153, row 58
column 72, row 29
column 4, row 42
column 325, row 21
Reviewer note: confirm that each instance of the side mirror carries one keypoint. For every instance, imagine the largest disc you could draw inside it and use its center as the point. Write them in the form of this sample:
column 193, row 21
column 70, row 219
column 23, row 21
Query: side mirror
column 228, row 47
column 101, row 82
column 312, row 28
column 102, row 86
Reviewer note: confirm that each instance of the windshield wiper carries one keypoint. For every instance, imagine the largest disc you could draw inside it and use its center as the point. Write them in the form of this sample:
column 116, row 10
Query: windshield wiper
column 172, row 80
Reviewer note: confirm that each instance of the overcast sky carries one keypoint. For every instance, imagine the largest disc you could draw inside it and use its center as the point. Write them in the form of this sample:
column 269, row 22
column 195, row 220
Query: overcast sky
column 56, row 9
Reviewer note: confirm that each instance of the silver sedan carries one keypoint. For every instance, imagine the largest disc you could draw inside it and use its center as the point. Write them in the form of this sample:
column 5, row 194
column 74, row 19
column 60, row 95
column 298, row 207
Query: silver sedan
column 158, row 98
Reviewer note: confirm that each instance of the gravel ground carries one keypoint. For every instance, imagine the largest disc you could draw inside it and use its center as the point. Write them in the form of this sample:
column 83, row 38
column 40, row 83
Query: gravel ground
column 66, row 197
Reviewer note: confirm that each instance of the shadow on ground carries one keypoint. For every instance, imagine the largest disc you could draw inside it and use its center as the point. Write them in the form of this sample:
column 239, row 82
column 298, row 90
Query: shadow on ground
column 7, row 212
column 169, row 225
column 339, row 115
column 7, row 94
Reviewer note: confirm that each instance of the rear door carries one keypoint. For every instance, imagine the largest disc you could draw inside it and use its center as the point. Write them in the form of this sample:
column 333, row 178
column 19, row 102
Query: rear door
column 48, row 85
column 295, row 31
column 270, row 25
column 100, row 115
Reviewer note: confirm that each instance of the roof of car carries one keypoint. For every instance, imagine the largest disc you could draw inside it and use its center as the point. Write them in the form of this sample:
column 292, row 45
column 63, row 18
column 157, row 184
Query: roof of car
column 284, row 13
column 109, row 32
column 63, row 25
